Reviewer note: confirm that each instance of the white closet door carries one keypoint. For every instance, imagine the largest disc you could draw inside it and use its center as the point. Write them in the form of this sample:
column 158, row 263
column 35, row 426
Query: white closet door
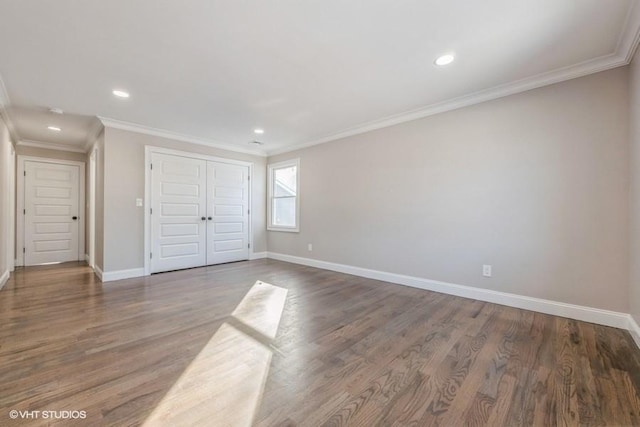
column 228, row 208
column 178, row 217
column 51, row 230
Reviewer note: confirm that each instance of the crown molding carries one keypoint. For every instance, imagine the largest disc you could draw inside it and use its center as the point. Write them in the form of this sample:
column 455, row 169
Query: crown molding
column 540, row 80
column 630, row 35
column 623, row 55
column 92, row 134
column 163, row 133
column 4, row 112
column 4, row 116
column 50, row 146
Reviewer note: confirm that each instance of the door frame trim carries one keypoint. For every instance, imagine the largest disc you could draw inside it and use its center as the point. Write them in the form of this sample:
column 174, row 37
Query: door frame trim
column 149, row 150
column 11, row 194
column 92, row 187
column 20, row 202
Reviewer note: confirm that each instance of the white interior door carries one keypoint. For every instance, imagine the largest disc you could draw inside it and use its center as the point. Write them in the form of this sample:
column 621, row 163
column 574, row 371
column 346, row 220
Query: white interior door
column 51, row 212
column 228, row 208
column 178, row 216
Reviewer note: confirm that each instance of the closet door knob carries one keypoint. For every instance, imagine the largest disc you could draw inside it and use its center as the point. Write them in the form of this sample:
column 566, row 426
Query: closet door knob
column 209, row 218
column 203, row 218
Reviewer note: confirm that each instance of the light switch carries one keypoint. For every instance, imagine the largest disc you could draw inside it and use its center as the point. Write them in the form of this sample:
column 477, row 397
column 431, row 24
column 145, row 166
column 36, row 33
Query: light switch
column 139, row 203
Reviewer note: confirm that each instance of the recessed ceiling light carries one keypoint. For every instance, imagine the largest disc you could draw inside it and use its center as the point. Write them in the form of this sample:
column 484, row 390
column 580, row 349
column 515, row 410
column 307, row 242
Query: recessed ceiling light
column 56, row 110
column 121, row 93
column 444, row 59
column 54, row 128
column 256, row 142
column 258, row 131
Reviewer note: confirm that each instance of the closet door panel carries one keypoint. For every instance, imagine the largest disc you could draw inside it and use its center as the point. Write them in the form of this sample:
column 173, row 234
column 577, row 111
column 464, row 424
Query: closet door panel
column 178, row 218
column 228, row 208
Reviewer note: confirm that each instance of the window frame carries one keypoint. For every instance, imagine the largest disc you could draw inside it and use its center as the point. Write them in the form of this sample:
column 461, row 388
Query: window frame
column 271, row 168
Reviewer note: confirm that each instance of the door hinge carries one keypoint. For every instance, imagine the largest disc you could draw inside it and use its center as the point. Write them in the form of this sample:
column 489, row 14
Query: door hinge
column 248, row 211
column 24, row 250
column 24, row 211
column 25, row 173
column 248, row 177
column 151, row 166
column 150, row 211
column 151, row 255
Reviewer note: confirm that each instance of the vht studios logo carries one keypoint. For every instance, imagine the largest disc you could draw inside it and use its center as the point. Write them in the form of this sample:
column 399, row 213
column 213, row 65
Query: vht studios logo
column 51, row 415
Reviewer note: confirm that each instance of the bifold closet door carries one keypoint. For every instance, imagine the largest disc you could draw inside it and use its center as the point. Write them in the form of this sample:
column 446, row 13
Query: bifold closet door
column 228, row 208
column 178, row 216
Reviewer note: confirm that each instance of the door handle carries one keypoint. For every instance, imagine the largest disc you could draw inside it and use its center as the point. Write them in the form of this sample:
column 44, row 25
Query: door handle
column 74, row 218
column 209, row 218
column 203, row 218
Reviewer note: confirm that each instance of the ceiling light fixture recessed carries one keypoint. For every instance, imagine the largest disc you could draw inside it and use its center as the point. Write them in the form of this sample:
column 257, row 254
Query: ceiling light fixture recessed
column 256, row 142
column 258, row 131
column 54, row 128
column 56, row 110
column 121, row 93
column 443, row 60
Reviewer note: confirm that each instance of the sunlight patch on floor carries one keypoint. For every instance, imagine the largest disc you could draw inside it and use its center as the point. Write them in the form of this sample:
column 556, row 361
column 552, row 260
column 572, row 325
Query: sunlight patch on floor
column 261, row 308
column 223, row 385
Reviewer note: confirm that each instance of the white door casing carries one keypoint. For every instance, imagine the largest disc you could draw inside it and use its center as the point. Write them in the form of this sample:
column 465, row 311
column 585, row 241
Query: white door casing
column 51, row 213
column 228, row 208
column 93, row 159
column 11, row 194
column 178, row 193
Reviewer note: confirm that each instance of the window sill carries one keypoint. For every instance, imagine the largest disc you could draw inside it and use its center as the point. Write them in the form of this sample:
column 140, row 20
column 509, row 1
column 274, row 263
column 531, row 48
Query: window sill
column 286, row 230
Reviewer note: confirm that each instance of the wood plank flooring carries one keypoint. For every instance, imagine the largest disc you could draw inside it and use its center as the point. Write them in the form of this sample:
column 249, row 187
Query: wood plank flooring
column 268, row 343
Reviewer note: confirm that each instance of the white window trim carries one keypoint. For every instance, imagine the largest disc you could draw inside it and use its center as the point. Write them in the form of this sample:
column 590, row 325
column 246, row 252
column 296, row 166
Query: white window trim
column 270, row 168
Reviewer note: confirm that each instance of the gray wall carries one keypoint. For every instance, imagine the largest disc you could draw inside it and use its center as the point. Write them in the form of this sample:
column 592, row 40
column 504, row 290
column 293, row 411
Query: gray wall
column 124, row 182
column 634, row 90
column 535, row 184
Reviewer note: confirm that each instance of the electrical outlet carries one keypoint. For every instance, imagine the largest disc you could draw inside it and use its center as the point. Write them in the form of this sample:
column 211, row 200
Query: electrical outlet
column 486, row 270
column 139, row 203
column 309, row 247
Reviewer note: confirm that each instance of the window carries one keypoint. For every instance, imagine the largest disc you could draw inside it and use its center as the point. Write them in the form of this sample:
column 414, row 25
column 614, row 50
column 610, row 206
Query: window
column 284, row 203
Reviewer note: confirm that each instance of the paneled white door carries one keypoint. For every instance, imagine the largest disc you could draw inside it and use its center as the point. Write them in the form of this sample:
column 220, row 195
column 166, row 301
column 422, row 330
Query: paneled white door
column 228, row 208
column 178, row 212
column 51, row 212
column 199, row 212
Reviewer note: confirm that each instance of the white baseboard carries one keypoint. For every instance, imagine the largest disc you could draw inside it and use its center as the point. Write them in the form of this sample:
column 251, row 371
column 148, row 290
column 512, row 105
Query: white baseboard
column 110, row 276
column 634, row 330
column 257, row 255
column 571, row 311
column 98, row 272
column 3, row 278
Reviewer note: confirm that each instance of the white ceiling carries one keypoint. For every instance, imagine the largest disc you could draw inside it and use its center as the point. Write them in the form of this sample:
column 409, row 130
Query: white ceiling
column 305, row 71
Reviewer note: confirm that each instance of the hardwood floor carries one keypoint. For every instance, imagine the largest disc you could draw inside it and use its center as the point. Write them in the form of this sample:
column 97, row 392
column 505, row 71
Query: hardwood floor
column 270, row 343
